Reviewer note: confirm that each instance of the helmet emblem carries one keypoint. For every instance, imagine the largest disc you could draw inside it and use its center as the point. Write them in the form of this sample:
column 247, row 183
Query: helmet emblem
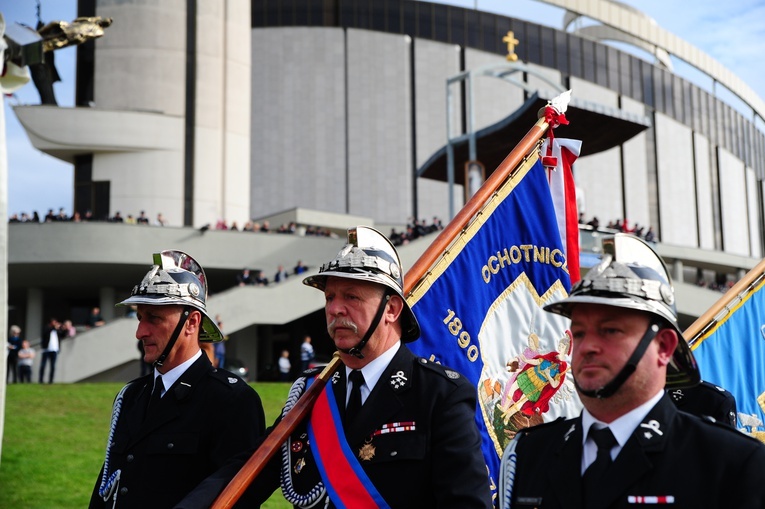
column 194, row 289
column 667, row 295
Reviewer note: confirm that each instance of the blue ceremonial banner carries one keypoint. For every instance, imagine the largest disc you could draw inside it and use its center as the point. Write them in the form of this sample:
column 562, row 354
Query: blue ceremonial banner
column 480, row 310
column 732, row 355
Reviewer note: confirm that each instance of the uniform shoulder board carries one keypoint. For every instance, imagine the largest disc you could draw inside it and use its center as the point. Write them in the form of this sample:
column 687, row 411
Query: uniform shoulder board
column 728, row 428
column 227, row 378
column 311, row 372
column 444, row 371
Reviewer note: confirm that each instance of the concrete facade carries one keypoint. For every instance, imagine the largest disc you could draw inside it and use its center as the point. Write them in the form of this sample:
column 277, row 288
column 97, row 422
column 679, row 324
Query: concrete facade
column 336, row 114
column 137, row 126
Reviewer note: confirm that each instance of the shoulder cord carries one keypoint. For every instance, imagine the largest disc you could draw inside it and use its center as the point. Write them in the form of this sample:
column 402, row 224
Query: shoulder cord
column 288, row 489
column 507, row 469
column 108, row 486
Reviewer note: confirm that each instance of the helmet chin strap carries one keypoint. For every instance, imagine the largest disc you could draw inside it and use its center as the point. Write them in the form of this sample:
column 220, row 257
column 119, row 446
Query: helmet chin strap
column 356, row 350
column 176, row 333
column 611, row 387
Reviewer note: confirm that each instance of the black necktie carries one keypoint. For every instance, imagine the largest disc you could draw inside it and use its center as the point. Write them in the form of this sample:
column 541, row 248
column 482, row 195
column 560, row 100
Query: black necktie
column 605, row 441
column 156, row 396
column 356, row 378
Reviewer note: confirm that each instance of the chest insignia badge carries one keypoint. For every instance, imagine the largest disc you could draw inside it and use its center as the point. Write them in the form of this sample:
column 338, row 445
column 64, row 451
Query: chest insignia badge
column 367, row 451
column 398, row 380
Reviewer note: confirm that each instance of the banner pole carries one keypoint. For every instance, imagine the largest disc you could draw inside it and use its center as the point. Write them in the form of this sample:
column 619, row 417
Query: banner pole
column 257, row 462
column 720, row 309
column 474, row 205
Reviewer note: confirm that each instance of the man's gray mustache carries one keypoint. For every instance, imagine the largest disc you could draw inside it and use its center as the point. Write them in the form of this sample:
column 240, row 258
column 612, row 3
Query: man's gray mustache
column 341, row 322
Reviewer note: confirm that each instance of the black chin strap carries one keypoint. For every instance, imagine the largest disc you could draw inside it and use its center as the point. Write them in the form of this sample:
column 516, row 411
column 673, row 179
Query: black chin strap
column 356, row 350
column 170, row 344
column 611, row 387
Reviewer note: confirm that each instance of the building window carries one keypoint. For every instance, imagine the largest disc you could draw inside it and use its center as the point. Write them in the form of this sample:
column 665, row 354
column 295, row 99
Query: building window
column 533, row 45
column 547, row 38
column 601, row 65
column 613, row 68
column 575, row 47
column 588, row 60
column 561, row 52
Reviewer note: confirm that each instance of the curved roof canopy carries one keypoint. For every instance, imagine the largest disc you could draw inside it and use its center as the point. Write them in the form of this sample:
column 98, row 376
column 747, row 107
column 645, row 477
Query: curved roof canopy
column 600, row 128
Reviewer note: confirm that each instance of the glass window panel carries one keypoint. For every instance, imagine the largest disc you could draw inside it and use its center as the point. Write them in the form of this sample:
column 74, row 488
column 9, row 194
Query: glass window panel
column 658, row 89
column 693, row 107
column 409, row 18
column 588, row 60
column 678, row 95
column 601, row 65
column 547, row 37
column 490, row 38
column 575, row 51
column 502, row 28
column 642, row 83
column 393, row 16
column 561, row 52
column 258, row 16
column 613, row 68
column 424, row 21
column 704, row 112
column 625, row 80
column 519, row 29
column 272, row 15
column 533, row 45
column 473, row 27
column 457, row 26
column 317, row 14
column 377, row 16
column 718, row 123
column 440, row 22
column 729, row 127
column 347, row 13
column 300, row 14
column 363, row 15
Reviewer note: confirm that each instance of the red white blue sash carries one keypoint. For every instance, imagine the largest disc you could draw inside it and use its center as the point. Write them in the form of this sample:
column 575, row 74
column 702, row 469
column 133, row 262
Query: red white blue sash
column 347, row 484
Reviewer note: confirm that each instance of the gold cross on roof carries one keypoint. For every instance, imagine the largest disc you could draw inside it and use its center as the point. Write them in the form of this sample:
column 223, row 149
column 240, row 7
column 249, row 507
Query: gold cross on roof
column 512, row 42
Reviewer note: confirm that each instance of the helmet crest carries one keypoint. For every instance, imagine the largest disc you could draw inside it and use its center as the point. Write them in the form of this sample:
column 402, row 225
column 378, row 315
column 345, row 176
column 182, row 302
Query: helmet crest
column 632, row 275
column 176, row 279
column 370, row 256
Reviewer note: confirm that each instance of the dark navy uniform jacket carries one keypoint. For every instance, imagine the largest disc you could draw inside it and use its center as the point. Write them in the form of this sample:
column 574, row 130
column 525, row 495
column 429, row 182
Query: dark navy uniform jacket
column 698, row 463
column 439, row 464
column 182, row 451
column 706, row 399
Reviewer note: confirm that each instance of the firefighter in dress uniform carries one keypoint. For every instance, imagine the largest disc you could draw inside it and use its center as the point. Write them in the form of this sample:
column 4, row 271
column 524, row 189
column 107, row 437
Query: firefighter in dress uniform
column 175, row 432
column 407, row 438
column 630, row 445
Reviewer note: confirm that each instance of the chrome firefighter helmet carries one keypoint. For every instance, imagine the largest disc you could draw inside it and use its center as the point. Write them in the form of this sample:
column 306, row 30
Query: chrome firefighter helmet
column 176, row 279
column 632, row 275
column 370, row 256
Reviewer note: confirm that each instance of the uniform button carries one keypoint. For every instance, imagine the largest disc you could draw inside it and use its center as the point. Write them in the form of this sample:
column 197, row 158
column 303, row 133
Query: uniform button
column 170, row 445
column 393, row 453
column 123, row 491
column 130, row 458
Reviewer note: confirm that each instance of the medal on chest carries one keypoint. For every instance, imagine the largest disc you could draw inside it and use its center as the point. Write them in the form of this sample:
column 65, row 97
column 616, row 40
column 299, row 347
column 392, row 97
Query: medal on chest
column 367, row 451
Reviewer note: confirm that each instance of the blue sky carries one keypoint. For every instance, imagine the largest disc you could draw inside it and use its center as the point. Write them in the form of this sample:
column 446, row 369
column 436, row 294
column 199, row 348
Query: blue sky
column 733, row 35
